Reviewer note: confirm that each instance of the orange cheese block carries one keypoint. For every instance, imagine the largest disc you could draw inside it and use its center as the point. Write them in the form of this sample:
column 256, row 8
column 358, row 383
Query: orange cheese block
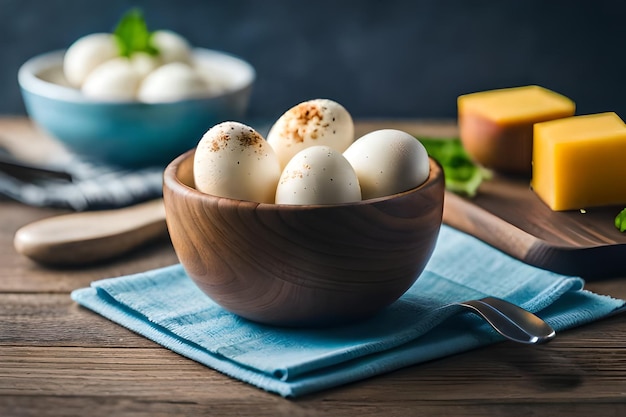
column 496, row 126
column 580, row 161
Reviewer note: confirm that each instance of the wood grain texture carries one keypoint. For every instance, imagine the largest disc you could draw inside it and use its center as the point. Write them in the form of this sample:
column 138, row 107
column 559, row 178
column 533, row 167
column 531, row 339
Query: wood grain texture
column 302, row 265
column 507, row 214
column 15, row 267
column 58, row 359
column 582, row 369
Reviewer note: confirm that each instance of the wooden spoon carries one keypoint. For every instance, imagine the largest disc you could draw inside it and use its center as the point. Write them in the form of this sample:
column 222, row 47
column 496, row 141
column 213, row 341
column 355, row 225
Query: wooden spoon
column 88, row 237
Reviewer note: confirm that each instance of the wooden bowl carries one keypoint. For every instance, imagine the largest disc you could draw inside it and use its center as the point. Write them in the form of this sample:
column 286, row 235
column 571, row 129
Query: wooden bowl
column 302, row 265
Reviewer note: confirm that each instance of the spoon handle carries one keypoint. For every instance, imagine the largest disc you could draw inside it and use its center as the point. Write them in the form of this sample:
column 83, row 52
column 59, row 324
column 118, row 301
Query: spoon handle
column 92, row 236
column 511, row 321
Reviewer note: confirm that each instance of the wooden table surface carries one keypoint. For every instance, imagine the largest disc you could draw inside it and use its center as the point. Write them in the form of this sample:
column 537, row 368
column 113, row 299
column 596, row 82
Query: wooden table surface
column 59, row 359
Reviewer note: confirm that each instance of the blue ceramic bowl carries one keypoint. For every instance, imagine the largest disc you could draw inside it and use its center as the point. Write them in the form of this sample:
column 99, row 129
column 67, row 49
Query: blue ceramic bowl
column 131, row 133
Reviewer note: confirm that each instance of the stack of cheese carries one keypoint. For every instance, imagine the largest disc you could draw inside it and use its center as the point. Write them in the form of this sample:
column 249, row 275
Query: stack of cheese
column 576, row 161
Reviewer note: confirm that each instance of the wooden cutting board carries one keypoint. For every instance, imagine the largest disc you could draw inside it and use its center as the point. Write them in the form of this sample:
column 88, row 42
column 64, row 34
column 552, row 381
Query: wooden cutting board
column 508, row 215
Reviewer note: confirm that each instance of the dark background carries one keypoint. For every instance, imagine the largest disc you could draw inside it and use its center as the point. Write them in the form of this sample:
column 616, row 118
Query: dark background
column 392, row 59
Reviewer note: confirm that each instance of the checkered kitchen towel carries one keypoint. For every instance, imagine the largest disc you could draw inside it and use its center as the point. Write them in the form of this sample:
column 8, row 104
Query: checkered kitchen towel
column 88, row 186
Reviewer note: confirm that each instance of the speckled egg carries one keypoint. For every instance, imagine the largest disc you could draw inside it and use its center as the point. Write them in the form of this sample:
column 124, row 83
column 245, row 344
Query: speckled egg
column 319, row 122
column 318, row 175
column 233, row 160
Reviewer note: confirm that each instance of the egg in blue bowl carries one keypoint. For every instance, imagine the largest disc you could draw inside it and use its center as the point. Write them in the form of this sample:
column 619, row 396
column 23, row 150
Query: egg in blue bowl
column 134, row 108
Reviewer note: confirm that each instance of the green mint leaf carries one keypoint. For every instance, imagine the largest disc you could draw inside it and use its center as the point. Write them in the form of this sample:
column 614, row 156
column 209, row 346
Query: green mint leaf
column 132, row 34
column 620, row 221
column 462, row 175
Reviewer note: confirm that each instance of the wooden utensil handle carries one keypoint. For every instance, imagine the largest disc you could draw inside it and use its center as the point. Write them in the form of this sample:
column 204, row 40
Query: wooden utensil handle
column 463, row 215
column 87, row 237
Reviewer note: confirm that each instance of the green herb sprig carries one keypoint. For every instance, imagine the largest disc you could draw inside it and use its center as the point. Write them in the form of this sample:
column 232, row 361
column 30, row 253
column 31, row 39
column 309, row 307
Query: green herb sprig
column 462, row 175
column 132, row 34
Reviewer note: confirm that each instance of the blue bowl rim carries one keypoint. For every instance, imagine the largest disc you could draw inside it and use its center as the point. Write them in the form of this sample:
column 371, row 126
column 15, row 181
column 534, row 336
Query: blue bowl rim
column 29, row 80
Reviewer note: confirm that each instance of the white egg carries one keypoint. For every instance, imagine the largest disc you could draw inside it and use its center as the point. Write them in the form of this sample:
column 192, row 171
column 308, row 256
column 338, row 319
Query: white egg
column 172, row 82
column 87, row 53
column 388, row 161
column 115, row 79
column 318, row 122
column 233, row 160
column 144, row 63
column 217, row 83
column 172, row 47
column 318, row 175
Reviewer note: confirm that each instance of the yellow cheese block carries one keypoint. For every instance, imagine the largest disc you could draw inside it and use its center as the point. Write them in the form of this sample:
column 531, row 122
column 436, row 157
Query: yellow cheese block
column 580, row 161
column 496, row 126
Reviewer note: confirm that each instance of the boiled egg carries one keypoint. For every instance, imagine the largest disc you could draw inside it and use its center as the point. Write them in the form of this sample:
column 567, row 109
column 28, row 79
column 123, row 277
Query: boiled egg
column 233, row 160
column 172, row 82
column 319, row 122
column 318, row 175
column 115, row 79
column 87, row 53
column 172, row 47
column 144, row 63
column 388, row 161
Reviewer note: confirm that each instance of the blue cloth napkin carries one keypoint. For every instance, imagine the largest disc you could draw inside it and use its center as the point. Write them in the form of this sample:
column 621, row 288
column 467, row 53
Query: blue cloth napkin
column 165, row 305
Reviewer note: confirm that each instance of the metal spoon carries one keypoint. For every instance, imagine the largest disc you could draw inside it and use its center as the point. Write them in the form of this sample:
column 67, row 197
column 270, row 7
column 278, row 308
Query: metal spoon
column 511, row 321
